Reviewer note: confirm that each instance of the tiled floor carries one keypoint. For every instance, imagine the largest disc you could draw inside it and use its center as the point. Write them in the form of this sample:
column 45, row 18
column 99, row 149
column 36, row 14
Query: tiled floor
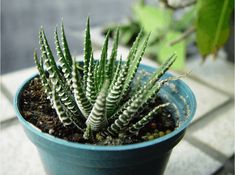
column 209, row 141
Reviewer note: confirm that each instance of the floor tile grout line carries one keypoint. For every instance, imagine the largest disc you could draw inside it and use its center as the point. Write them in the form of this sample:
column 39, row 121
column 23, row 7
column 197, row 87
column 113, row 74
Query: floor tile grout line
column 206, row 118
column 7, row 119
column 7, row 93
column 195, row 78
column 207, row 149
column 200, row 123
column 8, row 123
column 228, row 165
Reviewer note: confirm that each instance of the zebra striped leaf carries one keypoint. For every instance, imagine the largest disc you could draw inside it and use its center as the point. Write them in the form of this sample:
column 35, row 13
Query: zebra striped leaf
column 135, row 128
column 103, row 61
column 97, row 118
column 117, row 71
column 42, row 74
column 57, row 79
column 66, row 68
column 79, row 92
column 87, row 52
column 134, row 65
column 115, row 91
column 67, row 54
column 124, row 119
column 60, row 109
column 111, row 65
column 90, row 87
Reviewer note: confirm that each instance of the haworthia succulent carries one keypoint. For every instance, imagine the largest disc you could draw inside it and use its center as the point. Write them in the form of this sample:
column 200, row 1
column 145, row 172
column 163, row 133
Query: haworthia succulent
column 64, row 115
column 91, row 103
column 57, row 79
column 134, row 66
column 65, row 97
column 60, row 109
column 151, row 87
column 66, row 68
column 150, row 93
column 124, row 119
column 91, row 87
column 88, row 134
column 117, row 72
column 134, row 47
column 87, row 51
column 96, row 77
column 41, row 43
column 126, row 75
column 97, row 118
column 127, row 111
column 65, row 46
column 137, row 82
column 103, row 61
column 79, row 93
column 163, row 68
column 115, row 92
column 42, row 75
column 111, row 64
column 135, row 128
column 150, row 83
column 49, row 58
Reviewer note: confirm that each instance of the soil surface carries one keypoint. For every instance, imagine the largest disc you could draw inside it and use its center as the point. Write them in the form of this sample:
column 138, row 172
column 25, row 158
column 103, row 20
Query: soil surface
column 36, row 109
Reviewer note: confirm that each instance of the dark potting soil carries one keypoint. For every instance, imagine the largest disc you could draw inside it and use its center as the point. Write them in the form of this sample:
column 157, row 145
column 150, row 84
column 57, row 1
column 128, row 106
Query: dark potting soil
column 36, row 109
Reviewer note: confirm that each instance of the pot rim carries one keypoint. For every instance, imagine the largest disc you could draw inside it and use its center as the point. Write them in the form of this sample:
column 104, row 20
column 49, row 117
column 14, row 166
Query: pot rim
column 63, row 142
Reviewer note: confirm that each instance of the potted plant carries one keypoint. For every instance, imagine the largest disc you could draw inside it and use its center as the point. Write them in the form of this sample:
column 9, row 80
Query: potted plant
column 102, row 116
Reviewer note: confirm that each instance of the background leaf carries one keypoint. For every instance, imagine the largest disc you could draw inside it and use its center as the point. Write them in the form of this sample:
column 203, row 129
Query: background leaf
column 153, row 18
column 187, row 19
column 165, row 50
column 213, row 17
column 127, row 32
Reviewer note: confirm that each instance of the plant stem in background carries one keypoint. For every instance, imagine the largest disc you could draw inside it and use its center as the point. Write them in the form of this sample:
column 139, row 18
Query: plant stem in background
column 187, row 33
column 180, row 6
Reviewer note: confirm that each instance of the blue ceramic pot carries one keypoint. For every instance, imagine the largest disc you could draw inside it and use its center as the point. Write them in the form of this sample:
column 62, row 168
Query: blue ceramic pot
column 61, row 157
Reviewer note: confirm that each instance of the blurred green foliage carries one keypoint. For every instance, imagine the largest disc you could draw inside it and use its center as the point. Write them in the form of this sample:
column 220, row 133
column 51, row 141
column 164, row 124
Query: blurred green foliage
column 209, row 19
column 213, row 24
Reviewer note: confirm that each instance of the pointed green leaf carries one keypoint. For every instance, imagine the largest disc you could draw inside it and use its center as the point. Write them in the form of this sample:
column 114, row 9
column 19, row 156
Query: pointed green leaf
column 134, row 128
column 113, row 56
column 103, row 60
column 115, row 92
column 148, row 87
column 163, row 68
column 87, row 51
column 124, row 119
column 42, row 74
column 79, row 93
column 153, row 18
column 213, row 24
column 65, row 116
column 97, row 118
column 117, row 71
column 65, row 46
column 66, row 68
column 134, row 47
column 88, row 134
column 96, row 77
column 90, row 87
column 179, row 49
column 134, row 66
column 49, row 58
column 60, row 110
